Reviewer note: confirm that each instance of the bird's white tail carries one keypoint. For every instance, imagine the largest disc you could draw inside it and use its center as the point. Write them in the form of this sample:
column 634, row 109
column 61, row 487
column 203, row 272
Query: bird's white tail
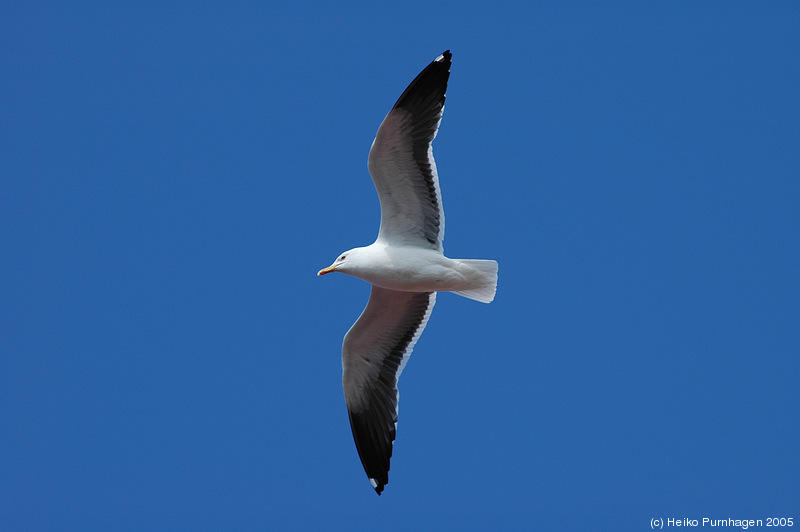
column 485, row 280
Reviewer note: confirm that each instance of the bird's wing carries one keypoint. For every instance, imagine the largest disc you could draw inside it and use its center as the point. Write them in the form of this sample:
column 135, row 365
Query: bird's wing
column 402, row 166
column 375, row 350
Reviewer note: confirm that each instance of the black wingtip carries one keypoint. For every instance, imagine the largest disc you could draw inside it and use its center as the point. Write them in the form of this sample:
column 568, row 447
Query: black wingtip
column 429, row 86
column 373, row 444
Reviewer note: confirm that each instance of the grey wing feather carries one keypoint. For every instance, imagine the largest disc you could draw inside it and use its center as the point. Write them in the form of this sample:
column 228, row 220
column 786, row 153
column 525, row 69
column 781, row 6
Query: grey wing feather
column 374, row 353
column 401, row 161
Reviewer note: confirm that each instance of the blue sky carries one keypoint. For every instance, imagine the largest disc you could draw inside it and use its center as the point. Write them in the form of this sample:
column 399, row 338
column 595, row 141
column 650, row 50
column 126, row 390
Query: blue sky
column 174, row 174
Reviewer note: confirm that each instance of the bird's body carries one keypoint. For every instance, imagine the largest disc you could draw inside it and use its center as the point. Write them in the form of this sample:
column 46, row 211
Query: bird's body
column 406, row 266
column 417, row 269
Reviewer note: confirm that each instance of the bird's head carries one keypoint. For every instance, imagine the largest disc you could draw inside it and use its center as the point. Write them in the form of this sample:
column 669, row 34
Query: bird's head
column 346, row 262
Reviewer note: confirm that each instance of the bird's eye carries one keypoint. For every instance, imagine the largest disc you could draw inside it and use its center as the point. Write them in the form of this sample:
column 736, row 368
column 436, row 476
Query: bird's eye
column 342, row 257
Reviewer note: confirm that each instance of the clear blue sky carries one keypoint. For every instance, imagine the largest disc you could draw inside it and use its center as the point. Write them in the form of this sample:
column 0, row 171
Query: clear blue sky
column 173, row 175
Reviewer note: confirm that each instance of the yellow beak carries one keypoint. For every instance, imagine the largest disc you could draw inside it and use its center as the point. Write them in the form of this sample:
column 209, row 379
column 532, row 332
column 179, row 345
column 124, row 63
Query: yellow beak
column 329, row 269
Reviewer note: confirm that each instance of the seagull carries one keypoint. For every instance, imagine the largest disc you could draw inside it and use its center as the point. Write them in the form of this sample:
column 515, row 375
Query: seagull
column 405, row 265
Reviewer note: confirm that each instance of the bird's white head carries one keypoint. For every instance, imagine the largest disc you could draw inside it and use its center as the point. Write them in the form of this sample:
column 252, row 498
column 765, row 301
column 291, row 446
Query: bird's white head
column 345, row 263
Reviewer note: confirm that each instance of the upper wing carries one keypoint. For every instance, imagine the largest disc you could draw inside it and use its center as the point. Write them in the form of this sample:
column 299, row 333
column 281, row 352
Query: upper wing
column 401, row 161
column 375, row 350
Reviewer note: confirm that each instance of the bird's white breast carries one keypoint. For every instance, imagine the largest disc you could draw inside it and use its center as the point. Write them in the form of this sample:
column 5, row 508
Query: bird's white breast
column 409, row 269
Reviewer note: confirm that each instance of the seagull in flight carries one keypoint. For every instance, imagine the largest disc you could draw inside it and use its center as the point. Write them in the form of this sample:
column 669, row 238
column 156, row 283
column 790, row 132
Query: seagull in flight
column 405, row 265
